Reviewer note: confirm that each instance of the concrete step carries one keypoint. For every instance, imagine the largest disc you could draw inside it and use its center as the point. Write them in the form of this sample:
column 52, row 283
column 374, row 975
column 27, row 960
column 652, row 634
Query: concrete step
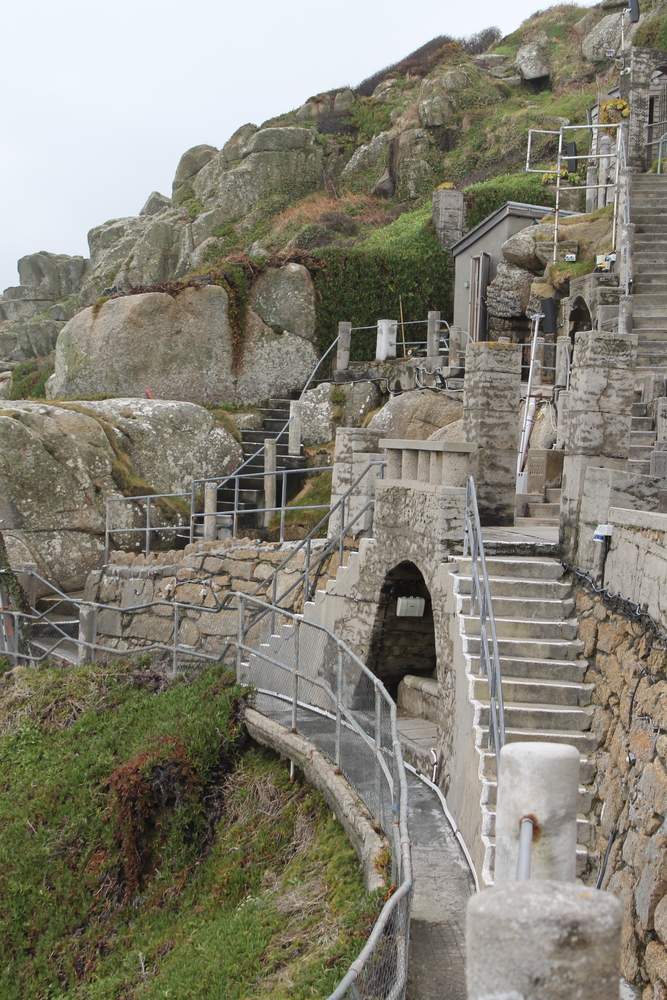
column 642, row 439
column 521, row 690
column 516, row 587
column 271, row 413
column 550, row 510
column 533, row 717
column 553, row 496
column 641, row 424
column 533, row 608
column 522, row 568
column 584, row 741
column 535, row 521
column 653, row 338
column 637, row 453
column 638, row 468
column 531, row 649
column 520, row 628
column 568, row 671
column 657, row 321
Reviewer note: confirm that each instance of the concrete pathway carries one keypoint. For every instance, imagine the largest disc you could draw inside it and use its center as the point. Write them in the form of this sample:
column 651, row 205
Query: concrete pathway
column 442, row 885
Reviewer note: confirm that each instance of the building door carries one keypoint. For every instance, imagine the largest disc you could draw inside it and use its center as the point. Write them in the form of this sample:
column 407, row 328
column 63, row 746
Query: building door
column 480, row 269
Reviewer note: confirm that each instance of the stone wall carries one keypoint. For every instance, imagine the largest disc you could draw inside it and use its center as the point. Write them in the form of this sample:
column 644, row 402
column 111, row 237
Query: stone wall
column 201, row 574
column 636, row 564
column 630, row 795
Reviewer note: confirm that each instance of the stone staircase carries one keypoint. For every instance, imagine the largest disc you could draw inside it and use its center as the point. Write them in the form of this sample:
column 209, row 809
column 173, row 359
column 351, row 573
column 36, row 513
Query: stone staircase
column 648, row 211
column 538, row 508
column 545, row 697
column 642, row 438
column 275, row 414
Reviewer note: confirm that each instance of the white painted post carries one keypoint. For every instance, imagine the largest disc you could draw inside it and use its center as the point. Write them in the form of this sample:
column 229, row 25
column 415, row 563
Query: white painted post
column 210, row 511
column 538, row 780
column 343, row 346
column 269, row 481
column 294, row 439
column 433, row 338
column 539, row 362
column 386, row 339
column 591, row 189
column 551, row 940
column 604, row 161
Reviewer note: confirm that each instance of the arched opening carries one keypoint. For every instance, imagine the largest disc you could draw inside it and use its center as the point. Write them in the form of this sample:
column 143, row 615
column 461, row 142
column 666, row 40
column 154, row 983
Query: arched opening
column 403, row 637
column 580, row 317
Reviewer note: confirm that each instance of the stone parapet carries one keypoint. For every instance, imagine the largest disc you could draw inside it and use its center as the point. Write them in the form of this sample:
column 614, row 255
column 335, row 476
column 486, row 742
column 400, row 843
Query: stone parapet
column 442, row 463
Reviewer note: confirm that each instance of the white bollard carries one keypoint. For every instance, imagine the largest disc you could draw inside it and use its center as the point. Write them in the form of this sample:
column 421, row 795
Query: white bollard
column 87, row 633
column 543, row 941
column 433, row 338
column 386, row 339
column 343, row 346
column 538, row 780
column 210, row 511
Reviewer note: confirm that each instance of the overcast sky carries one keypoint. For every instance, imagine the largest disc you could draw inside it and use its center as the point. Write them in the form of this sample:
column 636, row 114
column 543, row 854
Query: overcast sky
column 100, row 100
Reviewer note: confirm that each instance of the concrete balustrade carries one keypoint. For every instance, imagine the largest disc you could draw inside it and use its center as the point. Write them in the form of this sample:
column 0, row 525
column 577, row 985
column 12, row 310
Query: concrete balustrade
column 441, row 463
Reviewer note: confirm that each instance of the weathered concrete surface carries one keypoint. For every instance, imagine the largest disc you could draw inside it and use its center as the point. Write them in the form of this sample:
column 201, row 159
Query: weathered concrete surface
column 491, row 391
column 595, row 417
column 543, row 940
column 636, row 564
column 179, row 347
column 321, row 416
column 416, row 414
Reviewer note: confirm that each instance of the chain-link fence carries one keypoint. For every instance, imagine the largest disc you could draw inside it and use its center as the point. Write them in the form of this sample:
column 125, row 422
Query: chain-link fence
column 306, row 679
column 309, row 681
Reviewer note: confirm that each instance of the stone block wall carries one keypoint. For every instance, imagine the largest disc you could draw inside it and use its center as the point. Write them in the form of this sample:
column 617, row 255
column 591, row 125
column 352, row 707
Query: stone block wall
column 630, row 791
column 201, row 575
column 636, row 564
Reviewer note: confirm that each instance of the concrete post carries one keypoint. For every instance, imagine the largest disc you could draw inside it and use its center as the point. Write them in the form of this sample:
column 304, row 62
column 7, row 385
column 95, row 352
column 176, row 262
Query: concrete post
column 87, row 633
column 625, row 315
column 604, row 161
column 270, row 451
column 448, row 215
column 563, row 357
column 343, row 346
column 386, row 339
column 596, row 420
column 591, row 190
column 543, row 941
column 30, row 583
column 433, row 338
column 210, row 511
column 491, row 414
column 539, row 780
column 294, row 439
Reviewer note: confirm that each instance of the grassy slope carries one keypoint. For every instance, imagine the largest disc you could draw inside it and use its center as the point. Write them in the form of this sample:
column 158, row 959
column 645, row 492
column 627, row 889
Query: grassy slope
column 146, row 851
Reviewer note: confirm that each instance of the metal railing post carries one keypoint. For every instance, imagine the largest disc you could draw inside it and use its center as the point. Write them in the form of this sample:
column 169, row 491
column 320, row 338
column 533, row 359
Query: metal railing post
column 240, row 638
column 192, row 513
column 174, row 662
column 339, row 704
column 378, row 751
column 283, row 503
column 106, row 535
column 295, row 674
column 147, row 549
column 235, row 524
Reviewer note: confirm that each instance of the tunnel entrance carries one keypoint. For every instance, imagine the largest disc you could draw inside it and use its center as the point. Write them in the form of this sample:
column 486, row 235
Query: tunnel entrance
column 402, row 643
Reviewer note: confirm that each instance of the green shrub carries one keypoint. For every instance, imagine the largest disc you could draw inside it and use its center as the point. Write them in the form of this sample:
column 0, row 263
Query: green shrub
column 484, row 198
column 363, row 283
column 29, row 379
column 653, row 35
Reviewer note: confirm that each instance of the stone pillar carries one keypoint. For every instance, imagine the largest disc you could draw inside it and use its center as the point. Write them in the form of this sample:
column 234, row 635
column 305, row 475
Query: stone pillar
column 355, row 448
column 448, row 216
column 540, row 780
column 269, row 481
column 627, row 255
column 625, row 315
column 563, row 355
column 491, row 410
column 543, row 941
column 87, row 633
column 596, row 420
column 591, row 189
column 343, row 346
column 210, row 511
column 294, row 432
column 605, row 152
column 433, row 338
column 635, row 87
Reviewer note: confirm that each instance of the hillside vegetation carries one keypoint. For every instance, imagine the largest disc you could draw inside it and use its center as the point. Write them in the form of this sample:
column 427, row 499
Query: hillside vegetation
column 148, row 850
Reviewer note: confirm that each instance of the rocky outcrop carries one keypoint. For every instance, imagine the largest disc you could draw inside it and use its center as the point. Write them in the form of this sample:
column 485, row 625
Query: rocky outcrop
column 188, row 167
column 604, row 36
column 53, row 499
column 155, row 203
column 417, row 415
column 367, row 155
column 509, row 292
column 330, row 406
column 531, row 62
column 182, row 346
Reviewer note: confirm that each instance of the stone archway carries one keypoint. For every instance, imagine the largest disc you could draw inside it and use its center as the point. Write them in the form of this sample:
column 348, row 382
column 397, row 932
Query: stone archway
column 580, row 316
column 401, row 644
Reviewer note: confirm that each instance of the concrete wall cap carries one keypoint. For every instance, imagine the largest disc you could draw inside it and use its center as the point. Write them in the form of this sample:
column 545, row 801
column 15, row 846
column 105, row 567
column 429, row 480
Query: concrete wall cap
column 645, row 520
column 456, row 447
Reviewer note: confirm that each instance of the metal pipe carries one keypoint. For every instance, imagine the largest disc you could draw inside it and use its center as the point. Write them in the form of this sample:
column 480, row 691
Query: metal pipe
column 525, row 849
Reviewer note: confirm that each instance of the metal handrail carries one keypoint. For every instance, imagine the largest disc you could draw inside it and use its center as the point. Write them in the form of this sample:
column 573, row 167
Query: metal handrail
column 480, row 597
